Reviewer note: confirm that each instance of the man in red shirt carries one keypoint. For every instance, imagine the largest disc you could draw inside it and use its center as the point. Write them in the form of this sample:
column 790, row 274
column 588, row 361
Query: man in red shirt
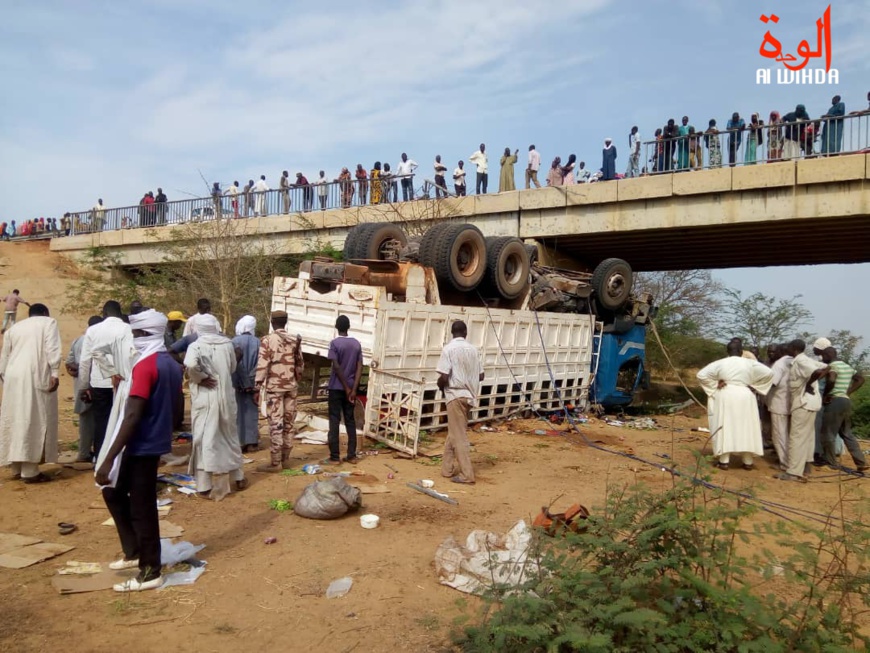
column 128, row 471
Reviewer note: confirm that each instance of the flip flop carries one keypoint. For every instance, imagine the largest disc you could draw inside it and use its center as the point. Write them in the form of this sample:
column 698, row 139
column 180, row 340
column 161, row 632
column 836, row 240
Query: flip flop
column 65, row 528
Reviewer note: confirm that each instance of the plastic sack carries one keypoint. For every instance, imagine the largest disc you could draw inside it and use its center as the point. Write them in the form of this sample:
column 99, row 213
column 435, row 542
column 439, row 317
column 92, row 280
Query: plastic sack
column 328, row 499
column 172, row 553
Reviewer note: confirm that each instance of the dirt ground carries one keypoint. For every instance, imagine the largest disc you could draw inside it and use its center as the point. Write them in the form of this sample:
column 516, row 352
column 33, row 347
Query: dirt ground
column 257, row 596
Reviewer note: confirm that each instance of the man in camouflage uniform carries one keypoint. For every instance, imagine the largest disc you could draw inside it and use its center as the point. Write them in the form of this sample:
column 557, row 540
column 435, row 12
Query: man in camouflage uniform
column 279, row 368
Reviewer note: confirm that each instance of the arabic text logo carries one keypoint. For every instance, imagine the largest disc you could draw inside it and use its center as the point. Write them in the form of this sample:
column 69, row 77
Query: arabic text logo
column 771, row 48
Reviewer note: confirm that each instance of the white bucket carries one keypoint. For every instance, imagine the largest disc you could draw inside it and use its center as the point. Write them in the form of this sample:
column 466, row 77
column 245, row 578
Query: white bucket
column 369, row 521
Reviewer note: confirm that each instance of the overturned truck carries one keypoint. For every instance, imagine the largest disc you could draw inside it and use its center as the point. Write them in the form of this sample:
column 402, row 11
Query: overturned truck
column 547, row 337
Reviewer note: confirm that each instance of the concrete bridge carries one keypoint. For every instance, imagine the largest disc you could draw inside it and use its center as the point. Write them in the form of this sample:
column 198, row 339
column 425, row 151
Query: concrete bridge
column 807, row 211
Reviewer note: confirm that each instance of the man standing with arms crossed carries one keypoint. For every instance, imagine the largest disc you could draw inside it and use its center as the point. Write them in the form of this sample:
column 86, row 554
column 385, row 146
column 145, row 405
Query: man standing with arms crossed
column 346, row 356
column 459, row 375
column 279, row 368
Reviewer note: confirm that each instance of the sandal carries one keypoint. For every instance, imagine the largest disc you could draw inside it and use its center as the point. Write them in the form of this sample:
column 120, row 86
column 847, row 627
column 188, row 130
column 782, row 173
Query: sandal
column 723, row 465
column 242, row 485
column 65, row 528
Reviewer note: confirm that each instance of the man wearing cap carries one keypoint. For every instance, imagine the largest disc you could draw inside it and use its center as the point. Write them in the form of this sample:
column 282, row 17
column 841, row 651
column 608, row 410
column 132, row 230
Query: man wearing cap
column 806, row 402
column 127, row 466
column 175, row 320
column 819, row 346
column 279, row 368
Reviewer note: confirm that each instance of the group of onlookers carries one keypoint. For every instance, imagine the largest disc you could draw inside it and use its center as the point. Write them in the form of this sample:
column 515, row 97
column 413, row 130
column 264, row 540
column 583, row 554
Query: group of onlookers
column 676, row 148
column 790, row 136
column 804, row 401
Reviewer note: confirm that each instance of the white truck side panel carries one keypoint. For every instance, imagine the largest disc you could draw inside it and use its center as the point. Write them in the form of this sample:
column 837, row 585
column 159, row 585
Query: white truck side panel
column 405, row 341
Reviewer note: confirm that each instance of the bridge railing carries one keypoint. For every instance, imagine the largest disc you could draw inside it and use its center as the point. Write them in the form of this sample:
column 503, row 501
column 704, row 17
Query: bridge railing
column 296, row 199
column 714, row 148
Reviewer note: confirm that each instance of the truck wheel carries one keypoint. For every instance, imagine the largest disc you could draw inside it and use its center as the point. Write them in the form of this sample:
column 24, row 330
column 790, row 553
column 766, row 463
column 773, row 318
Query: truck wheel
column 427, row 243
column 611, row 282
column 371, row 244
column 355, row 236
column 507, row 266
column 366, row 241
column 457, row 253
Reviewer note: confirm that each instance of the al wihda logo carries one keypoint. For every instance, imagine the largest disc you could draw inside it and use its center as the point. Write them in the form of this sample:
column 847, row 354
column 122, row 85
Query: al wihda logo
column 794, row 68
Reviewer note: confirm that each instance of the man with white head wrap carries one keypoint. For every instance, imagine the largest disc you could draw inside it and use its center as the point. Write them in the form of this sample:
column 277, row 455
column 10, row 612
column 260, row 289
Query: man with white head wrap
column 216, row 453
column 128, row 462
column 244, row 378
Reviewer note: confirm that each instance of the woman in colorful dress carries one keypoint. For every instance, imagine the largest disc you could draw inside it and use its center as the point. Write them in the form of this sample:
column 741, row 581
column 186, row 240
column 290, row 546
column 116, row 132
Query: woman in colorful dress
column 756, row 138
column 714, row 147
column 774, row 137
column 375, row 177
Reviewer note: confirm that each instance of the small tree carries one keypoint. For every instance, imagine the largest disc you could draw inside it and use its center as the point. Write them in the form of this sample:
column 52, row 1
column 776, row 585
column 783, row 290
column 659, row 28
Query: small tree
column 760, row 319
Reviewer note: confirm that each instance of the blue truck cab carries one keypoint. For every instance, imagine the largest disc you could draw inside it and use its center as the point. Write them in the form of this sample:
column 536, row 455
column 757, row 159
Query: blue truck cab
column 618, row 363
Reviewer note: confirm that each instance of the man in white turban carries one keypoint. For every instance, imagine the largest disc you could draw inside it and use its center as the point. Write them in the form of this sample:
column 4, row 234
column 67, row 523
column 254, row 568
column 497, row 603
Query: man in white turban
column 216, row 453
column 128, row 462
column 247, row 349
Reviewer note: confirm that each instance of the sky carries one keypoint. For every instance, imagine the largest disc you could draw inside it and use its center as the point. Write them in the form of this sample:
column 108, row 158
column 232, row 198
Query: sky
column 111, row 99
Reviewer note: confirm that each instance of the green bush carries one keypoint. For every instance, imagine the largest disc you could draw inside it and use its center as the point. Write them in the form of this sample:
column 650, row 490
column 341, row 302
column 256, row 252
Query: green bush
column 681, row 571
column 861, row 412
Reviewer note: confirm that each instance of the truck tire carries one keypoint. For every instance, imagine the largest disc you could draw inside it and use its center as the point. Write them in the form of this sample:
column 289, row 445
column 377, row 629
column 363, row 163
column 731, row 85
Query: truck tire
column 354, row 237
column 611, row 282
column 457, row 253
column 533, row 253
column 507, row 266
column 427, row 242
column 369, row 240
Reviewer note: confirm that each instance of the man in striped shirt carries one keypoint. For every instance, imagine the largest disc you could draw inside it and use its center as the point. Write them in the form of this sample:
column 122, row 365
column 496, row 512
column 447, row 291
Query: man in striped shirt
column 842, row 381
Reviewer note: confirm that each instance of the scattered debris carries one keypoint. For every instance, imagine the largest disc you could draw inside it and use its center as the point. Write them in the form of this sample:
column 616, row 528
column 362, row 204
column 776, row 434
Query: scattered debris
column 645, row 423
column 391, row 468
column 432, row 493
column 171, row 460
column 328, row 499
column 294, row 472
column 183, row 482
column 558, row 523
column 65, row 528
column 270, row 540
column 339, row 587
column 487, row 561
column 184, row 577
column 19, row 551
column 281, row 505
column 311, row 468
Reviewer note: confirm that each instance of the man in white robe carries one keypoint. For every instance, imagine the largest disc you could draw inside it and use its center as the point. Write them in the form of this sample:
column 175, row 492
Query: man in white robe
column 216, row 455
column 29, row 370
column 806, row 402
column 732, row 409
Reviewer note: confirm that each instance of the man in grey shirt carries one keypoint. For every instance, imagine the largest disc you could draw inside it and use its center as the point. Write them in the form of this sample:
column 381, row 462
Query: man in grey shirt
column 459, row 375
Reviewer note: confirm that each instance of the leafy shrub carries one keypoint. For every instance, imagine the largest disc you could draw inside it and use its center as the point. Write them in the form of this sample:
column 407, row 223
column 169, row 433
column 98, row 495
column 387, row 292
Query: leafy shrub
column 680, row 571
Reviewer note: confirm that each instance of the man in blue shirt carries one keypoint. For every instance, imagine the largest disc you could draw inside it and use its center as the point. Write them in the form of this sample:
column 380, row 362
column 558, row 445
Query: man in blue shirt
column 128, row 472
column 346, row 356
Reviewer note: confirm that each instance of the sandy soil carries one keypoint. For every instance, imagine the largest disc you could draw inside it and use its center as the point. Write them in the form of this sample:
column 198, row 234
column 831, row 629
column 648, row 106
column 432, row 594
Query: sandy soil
column 256, row 596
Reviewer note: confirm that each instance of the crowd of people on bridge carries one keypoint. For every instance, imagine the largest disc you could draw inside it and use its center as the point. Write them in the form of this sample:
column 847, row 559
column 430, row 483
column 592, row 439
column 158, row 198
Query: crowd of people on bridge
column 675, row 148
column 794, row 404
